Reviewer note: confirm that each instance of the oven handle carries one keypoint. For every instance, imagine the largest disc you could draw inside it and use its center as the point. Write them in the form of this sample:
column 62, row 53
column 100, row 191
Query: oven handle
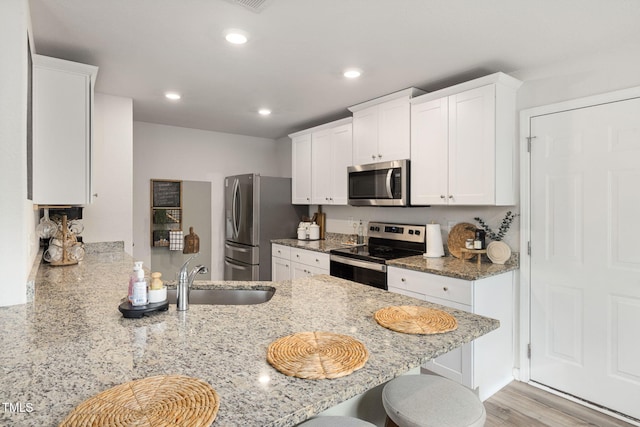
column 357, row 263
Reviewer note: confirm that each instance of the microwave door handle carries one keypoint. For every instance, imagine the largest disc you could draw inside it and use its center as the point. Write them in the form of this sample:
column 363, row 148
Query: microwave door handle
column 389, row 189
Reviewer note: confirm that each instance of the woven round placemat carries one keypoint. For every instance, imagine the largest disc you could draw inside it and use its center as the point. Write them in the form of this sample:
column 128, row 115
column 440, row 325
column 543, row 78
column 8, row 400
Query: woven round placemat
column 457, row 238
column 317, row 355
column 411, row 319
column 160, row 401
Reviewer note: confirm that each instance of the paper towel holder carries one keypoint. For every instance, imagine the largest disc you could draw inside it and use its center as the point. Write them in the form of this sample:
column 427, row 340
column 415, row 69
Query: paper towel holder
column 435, row 248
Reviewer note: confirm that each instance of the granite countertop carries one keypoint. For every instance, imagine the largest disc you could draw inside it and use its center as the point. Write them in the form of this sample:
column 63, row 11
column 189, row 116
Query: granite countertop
column 333, row 241
column 71, row 343
column 453, row 267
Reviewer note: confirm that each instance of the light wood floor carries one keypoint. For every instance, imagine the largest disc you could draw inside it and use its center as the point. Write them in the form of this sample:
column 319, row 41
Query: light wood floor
column 520, row 404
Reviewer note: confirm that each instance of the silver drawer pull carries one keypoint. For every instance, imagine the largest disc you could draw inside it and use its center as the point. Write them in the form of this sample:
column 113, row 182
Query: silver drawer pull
column 403, row 279
column 445, row 289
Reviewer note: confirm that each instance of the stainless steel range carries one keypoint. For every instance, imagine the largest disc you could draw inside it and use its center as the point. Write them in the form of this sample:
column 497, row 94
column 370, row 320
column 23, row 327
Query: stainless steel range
column 368, row 264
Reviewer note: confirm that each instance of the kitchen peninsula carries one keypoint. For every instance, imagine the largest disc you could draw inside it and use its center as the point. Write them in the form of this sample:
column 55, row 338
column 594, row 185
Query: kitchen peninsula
column 71, row 343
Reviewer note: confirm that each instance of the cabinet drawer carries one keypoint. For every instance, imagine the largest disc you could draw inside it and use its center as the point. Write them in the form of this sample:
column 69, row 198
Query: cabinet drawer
column 280, row 251
column 312, row 258
column 431, row 285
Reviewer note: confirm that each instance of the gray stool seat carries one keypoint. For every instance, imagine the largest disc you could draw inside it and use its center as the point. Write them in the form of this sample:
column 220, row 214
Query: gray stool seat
column 335, row 422
column 431, row 401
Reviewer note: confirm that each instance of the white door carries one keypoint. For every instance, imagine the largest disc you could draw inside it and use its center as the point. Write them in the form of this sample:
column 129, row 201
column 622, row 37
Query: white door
column 321, row 162
column 394, row 120
column 365, row 136
column 585, row 253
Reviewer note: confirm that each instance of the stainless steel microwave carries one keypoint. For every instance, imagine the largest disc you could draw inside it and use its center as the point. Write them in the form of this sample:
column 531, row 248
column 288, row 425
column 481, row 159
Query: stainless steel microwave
column 379, row 184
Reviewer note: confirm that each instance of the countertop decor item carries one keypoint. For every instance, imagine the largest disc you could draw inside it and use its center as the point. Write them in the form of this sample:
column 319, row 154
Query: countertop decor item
column 498, row 252
column 191, row 243
column 164, row 400
column 317, row 355
column 411, row 319
column 458, row 237
column 504, row 226
column 474, row 252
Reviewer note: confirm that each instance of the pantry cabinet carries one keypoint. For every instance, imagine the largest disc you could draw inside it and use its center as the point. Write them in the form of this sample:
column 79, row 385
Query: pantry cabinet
column 486, row 363
column 463, row 144
column 381, row 128
column 62, row 131
column 320, row 157
column 292, row 263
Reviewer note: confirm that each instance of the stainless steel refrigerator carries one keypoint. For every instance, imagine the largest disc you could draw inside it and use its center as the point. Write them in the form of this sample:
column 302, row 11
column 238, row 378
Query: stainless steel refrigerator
column 257, row 210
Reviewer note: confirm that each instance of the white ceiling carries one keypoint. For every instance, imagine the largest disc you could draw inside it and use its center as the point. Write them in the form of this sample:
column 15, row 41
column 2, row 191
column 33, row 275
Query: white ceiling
column 298, row 49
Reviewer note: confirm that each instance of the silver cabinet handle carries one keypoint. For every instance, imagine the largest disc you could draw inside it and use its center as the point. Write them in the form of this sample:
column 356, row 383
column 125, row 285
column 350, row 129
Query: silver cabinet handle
column 442, row 196
column 373, row 156
column 403, row 279
column 445, row 289
column 450, row 196
column 379, row 156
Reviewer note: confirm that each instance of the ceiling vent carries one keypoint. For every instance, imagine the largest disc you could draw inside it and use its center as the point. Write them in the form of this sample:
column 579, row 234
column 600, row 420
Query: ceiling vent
column 256, row 6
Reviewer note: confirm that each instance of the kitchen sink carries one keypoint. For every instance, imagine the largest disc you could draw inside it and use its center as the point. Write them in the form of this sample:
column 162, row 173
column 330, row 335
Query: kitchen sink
column 225, row 296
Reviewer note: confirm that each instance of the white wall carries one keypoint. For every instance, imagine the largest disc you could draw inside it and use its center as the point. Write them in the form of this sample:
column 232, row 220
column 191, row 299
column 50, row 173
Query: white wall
column 110, row 216
column 17, row 245
column 169, row 152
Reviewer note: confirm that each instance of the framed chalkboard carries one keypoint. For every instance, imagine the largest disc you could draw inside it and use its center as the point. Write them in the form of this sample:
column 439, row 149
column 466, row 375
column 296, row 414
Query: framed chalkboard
column 166, row 193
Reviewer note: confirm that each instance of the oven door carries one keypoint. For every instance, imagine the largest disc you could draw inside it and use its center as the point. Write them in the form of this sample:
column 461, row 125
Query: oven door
column 367, row 273
column 379, row 184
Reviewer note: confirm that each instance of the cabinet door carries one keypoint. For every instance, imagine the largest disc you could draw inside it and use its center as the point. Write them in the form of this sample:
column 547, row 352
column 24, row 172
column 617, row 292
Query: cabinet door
column 341, row 159
column 61, row 136
column 301, row 170
column 321, row 146
column 394, row 130
column 429, row 152
column 472, row 147
column 365, row 136
column 280, row 269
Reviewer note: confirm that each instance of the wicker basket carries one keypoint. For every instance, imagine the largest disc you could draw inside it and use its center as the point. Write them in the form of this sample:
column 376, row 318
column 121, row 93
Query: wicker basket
column 410, row 319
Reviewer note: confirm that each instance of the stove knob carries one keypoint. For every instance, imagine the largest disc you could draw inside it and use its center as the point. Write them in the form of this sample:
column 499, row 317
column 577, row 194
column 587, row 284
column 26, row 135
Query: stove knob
column 372, row 228
column 377, row 228
column 417, row 232
column 411, row 232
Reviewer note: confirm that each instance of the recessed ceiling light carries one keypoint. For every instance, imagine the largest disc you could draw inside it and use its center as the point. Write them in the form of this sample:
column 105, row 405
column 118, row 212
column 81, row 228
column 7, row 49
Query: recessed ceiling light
column 264, row 111
column 172, row 96
column 352, row 73
column 236, row 36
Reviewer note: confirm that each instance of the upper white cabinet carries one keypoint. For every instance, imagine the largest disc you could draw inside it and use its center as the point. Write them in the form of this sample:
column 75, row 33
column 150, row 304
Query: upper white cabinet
column 62, row 131
column 331, row 151
column 381, row 128
column 462, row 143
column 301, row 169
column 320, row 159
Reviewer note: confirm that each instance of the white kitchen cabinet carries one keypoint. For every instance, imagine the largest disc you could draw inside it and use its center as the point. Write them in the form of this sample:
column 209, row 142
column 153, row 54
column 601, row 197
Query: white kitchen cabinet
column 485, row 364
column 62, row 131
column 301, row 169
column 463, row 141
column 280, row 263
column 381, row 128
column 320, row 157
column 331, row 154
column 293, row 263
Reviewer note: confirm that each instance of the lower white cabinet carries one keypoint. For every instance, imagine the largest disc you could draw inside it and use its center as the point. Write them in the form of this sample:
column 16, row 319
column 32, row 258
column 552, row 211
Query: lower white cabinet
column 486, row 364
column 292, row 263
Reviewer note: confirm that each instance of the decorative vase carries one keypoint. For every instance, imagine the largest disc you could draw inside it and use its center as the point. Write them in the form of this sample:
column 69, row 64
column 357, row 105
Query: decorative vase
column 498, row 252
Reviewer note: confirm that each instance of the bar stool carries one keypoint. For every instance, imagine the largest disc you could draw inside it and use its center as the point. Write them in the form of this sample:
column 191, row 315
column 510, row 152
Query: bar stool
column 431, row 401
column 334, row 421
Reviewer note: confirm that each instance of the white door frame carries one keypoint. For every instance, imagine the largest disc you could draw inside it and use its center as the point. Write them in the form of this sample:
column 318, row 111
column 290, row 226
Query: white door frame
column 523, row 372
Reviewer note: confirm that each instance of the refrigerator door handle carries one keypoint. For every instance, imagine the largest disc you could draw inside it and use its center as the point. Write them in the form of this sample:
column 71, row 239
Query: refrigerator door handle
column 235, row 208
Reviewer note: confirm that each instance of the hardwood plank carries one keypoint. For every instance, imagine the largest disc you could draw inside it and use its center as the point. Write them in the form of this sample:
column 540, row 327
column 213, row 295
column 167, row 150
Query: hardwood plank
column 521, row 404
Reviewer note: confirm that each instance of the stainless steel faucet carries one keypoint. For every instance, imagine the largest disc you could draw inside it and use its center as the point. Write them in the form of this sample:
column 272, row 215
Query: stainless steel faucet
column 185, row 280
